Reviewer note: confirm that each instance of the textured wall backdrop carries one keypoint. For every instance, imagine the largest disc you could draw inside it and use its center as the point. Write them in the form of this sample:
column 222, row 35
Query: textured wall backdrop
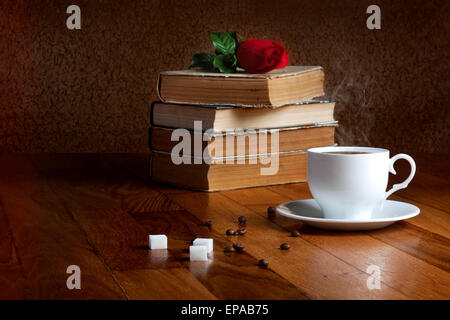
column 89, row 90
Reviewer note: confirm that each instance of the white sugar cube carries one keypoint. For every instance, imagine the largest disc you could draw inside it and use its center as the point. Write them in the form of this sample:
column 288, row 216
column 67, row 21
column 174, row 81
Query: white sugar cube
column 158, row 241
column 198, row 253
column 204, row 242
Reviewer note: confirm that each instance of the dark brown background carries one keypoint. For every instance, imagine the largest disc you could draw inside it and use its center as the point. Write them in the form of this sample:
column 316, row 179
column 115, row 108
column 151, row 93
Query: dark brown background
column 89, row 90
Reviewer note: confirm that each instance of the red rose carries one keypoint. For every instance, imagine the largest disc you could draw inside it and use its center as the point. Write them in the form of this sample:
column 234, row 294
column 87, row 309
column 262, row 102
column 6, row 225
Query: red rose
column 261, row 56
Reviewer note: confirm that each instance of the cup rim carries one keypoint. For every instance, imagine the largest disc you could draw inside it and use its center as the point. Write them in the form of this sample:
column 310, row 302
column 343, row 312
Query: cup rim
column 324, row 150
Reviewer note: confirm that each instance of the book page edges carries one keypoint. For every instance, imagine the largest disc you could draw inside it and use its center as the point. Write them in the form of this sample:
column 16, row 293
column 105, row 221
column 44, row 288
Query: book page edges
column 269, row 106
column 217, row 133
column 277, row 73
column 272, row 75
column 214, row 159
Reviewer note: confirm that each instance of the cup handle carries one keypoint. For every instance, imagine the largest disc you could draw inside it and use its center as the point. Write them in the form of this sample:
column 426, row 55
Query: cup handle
column 405, row 183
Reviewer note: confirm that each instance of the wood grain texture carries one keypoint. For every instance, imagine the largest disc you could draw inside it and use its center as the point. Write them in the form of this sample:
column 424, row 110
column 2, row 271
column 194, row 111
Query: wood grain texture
column 316, row 272
column 97, row 211
column 434, row 220
column 164, row 285
column 12, row 279
column 228, row 273
column 89, row 90
column 396, row 266
column 117, row 226
column 47, row 240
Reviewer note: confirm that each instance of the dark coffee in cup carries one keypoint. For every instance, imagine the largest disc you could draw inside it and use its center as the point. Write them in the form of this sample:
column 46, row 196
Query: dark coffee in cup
column 347, row 152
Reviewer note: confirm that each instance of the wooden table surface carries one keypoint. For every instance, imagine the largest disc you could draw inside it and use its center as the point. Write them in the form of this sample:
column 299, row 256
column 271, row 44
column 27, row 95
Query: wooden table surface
column 96, row 211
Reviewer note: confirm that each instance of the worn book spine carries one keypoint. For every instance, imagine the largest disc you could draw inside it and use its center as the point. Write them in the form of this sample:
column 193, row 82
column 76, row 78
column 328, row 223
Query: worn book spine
column 223, row 106
column 275, row 74
column 234, row 142
column 227, row 174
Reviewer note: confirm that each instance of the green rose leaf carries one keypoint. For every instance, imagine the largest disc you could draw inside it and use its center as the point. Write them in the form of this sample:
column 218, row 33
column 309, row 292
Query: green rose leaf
column 224, row 42
column 202, row 60
column 226, row 63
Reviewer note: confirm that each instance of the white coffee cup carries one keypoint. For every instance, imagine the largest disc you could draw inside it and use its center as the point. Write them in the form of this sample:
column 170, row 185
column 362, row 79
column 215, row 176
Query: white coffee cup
column 352, row 186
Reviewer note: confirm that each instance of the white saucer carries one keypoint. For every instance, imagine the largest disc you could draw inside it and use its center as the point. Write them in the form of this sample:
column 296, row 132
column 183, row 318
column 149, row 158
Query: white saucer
column 310, row 213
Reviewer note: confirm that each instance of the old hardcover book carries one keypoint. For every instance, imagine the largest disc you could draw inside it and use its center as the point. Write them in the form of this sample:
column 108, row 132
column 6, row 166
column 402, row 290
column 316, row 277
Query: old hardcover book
column 245, row 142
column 230, row 173
column 221, row 118
column 276, row 88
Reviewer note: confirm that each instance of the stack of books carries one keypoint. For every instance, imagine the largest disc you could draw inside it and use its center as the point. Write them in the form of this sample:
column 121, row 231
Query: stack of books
column 214, row 131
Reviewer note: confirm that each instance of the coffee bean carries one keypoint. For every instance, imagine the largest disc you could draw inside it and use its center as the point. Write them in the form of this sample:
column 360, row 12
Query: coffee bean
column 228, row 249
column 208, row 223
column 242, row 220
column 263, row 263
column 285, row 246
column 271, row 212
column 231, row 232
column 295, row 233
column 238, row 246
column 241, row 231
